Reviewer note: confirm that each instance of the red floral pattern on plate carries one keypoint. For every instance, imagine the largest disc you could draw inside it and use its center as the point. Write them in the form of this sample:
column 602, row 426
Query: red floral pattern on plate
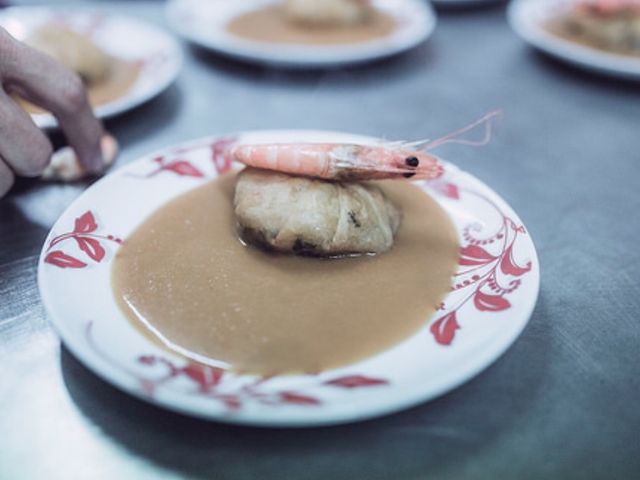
column 87, row 240
column 175, row 160
column 85, row 225
column 153, row 63
column 486, row 275
column 355, row 381
column 209, row 381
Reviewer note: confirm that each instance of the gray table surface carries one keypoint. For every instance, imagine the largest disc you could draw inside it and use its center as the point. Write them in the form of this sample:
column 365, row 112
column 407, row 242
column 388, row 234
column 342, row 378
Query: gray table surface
column 563, row 402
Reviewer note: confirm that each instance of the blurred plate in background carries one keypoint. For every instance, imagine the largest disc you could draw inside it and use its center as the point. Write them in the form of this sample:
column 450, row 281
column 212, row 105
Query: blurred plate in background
column 205, row 24
column 155, row 52
column 529, row 19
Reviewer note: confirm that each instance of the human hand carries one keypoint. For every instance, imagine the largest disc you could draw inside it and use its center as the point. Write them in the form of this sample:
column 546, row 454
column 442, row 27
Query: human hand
column 24, row 148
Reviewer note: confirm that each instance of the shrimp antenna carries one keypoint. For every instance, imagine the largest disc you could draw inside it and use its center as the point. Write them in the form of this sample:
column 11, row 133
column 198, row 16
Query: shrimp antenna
column 453, row 137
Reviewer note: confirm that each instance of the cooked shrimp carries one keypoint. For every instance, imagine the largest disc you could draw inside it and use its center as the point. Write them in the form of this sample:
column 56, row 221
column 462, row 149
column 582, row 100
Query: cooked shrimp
column 338, row 161
column 352, row 162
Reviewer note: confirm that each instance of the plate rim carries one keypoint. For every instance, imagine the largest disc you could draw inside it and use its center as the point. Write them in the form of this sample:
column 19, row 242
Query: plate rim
column 409, row 396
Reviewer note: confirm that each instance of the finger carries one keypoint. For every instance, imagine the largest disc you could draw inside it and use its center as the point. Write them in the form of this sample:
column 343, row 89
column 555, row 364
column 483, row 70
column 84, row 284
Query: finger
column 57, row 89
column 81, row 128
column 23, row 146
column 6, row 178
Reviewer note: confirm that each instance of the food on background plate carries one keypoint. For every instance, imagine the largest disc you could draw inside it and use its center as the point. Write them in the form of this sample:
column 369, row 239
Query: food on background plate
column 328, row 12
column 611, row 25
column 314, row 22
column 73, row 50
column 107, row 78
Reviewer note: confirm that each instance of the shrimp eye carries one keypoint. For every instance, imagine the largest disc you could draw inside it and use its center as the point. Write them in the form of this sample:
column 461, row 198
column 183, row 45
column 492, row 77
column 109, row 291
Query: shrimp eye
column 412, row 161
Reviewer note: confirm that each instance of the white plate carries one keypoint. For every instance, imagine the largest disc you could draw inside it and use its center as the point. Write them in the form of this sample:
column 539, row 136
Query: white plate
column 158, row 54
column 528, row 19
column 204, row 23
column 493, row 297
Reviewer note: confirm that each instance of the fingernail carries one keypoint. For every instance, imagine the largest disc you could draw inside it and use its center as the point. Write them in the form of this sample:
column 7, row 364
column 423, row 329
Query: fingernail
column 109, row 149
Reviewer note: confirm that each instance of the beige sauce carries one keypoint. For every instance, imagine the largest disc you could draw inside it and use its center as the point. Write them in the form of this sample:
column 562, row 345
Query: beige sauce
column 184, row 278
column 270, row 24
column 122, row 76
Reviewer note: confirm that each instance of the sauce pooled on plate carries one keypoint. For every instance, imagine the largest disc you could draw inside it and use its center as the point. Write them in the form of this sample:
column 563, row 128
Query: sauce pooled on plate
column 185, row 280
